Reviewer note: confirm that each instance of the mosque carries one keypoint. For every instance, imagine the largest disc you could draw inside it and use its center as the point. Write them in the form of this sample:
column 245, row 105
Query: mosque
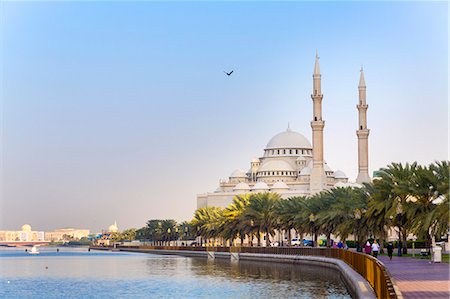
column 290, row 165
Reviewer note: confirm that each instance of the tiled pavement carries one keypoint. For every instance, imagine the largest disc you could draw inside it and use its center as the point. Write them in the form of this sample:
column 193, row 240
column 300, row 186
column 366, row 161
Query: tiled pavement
column 418, row 278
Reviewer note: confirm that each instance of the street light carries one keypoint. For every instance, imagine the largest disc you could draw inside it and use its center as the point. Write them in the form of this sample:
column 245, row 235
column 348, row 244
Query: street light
column 186, row 230
column 312, row 218
column 399, row 220
column 168, row 232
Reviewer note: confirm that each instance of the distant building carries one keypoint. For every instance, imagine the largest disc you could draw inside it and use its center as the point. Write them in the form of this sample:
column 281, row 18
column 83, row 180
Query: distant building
column 66, row 234
column 106, row 236
column 23, row 235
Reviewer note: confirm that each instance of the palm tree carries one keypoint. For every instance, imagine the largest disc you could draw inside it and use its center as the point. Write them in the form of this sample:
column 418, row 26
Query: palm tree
column 234, row 224
column 378, row 219
column 336, row 211
column 208, row 222
column 425, row 210
column 305, row 220
column 400, row 179
column 286, row 211
column 261, row 210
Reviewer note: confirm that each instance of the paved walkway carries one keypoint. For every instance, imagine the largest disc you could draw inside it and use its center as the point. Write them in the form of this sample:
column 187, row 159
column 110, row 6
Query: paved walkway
column 417, row 278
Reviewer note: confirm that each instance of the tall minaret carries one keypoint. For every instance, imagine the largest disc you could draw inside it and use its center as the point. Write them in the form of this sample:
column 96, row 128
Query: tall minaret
column 318, row 177
column 362, row 133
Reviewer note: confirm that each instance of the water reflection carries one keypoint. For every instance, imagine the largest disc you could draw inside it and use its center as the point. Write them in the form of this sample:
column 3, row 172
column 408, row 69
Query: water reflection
column 82, row 274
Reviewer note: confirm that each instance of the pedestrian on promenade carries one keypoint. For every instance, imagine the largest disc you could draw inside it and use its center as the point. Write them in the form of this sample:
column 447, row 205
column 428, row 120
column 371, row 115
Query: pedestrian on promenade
column 390, row 249
column 340, row 245
column 375, row 248
column 367, row 248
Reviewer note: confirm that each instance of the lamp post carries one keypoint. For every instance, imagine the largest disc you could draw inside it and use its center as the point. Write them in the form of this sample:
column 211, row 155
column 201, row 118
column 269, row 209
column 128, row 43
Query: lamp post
column 168, row 233
column 399, row 221
column 186, row 230
column 312, row 218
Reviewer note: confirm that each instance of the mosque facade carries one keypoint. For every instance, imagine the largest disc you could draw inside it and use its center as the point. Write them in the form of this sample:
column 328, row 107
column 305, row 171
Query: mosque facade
column 291, row 165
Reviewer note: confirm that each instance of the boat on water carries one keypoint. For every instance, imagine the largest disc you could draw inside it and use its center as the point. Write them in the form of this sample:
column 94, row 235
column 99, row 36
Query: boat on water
column 34, row 250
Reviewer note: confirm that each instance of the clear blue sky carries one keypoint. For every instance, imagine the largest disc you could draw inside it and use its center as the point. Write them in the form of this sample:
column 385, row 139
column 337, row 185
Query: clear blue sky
column 121, row 111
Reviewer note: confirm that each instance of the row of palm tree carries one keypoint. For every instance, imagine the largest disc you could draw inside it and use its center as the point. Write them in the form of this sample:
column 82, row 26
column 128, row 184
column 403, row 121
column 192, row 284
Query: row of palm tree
column 410, row 198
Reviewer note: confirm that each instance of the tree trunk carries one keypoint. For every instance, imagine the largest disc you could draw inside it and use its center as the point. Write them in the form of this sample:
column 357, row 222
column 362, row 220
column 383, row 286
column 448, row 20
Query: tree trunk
column 267, row 238
column 289, row 237
column 259, row 238
column 329, row 240
column 405, row 241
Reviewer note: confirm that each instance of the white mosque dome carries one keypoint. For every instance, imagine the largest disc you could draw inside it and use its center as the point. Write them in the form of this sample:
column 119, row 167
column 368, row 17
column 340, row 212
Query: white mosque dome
column 276, row 165
column 305, row 171
column 260, row 186
column 237, row 174
column 288, row 139
column 242, row 187
column 255, row 160
column 338, row 174
column 113, row 228
column 26, row 228
column 279, row 186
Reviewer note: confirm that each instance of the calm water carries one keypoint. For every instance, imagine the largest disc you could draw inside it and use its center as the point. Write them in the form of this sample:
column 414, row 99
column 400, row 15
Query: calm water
column 76, row 273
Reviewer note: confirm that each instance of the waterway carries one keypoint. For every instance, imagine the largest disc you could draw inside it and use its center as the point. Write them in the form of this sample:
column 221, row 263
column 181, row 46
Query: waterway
column 77, row 273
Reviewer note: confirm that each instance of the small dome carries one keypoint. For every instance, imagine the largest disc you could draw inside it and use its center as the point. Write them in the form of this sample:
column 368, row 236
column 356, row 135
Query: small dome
column 279, row 185
column 113, row 228
column 241, row 187
column 238, row 174
column 26, row 228
column 260, row 186
column 301, row 158
column 338, row 174
column 305, row 171
column 255, row 160
column 276, row 165
column 288, row 139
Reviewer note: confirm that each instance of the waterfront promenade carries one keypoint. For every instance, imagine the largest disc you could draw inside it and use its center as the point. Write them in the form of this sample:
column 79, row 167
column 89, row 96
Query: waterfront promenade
column 417, row 278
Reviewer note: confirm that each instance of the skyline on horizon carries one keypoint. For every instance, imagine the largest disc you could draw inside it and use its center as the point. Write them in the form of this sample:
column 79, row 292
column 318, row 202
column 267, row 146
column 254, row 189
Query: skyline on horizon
column 121, row 111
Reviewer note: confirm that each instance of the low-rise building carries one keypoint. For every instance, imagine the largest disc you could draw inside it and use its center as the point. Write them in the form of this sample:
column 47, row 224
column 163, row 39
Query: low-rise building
column 23, row 235
column 66, row 234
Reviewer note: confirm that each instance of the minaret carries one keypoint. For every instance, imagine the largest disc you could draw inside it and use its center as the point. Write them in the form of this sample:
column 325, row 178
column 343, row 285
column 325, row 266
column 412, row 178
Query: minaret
column 363, row 133
column 318, row 178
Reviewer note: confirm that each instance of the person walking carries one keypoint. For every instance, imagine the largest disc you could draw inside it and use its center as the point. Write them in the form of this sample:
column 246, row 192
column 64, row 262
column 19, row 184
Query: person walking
column 375, row 248
column 390, row 249
column 367, row 248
